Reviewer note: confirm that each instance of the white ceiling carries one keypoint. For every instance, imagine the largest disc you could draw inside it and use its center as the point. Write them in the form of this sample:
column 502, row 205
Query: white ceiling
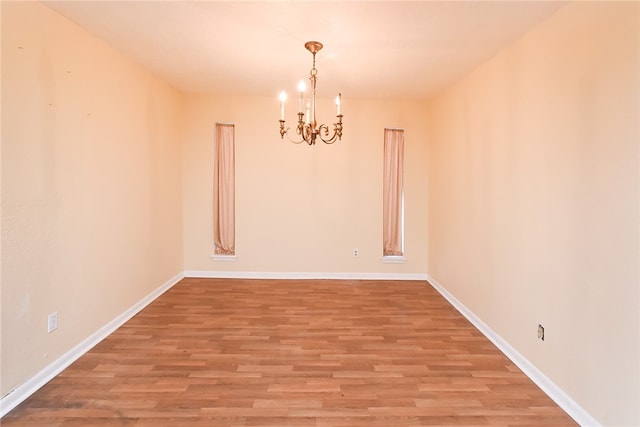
column 372, row 49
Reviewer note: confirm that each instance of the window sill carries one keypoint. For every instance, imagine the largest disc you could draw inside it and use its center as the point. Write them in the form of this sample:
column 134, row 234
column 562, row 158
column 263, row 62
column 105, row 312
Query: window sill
column 394, row 259
column 227, row 258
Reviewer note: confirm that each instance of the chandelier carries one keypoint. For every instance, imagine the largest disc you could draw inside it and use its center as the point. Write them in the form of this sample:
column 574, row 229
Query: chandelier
column 308, row 128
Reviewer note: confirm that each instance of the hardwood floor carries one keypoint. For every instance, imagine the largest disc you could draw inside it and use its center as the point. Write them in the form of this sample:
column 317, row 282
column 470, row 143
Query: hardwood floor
column 213, row 352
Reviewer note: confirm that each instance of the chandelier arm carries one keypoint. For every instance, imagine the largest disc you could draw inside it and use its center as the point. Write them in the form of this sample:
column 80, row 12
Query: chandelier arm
column 307, row 134
column 337, row 131
column 295, row 142
column 302, row 139
column 285, row 131
column 303, row 130
column 325, row 129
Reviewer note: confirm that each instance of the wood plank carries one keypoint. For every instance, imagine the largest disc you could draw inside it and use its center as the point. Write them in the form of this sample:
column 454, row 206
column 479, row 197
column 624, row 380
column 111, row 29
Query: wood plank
column 220, row 352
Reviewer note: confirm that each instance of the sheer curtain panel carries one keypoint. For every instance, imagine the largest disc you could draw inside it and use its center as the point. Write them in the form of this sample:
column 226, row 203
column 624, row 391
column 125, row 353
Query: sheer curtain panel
column 392, row 212
column 224, row 190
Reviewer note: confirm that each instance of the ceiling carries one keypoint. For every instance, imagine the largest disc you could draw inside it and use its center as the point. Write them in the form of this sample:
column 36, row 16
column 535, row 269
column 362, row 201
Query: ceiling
column 372, row 49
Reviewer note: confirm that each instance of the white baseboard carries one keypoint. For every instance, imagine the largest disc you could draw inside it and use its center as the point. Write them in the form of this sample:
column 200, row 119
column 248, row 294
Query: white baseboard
column 26, row 389
column 561, row 398
column 302, row 276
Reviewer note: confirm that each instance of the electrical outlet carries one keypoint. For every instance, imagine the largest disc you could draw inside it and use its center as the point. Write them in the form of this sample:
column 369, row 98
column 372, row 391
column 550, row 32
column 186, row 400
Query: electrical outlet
column 356, row 253
column 52, row 322
column 541, row 332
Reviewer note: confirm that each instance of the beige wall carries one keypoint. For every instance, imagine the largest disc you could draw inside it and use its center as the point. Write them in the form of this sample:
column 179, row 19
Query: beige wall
column 303, row 209
column 91, row 207
column 533, row 193
column 533, row 201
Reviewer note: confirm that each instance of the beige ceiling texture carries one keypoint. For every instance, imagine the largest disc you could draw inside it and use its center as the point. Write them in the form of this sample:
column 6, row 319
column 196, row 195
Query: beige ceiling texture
column 372, row 49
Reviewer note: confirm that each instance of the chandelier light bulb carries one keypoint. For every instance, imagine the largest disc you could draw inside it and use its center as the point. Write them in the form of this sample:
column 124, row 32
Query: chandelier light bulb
column 283, row 98
column 301, row 88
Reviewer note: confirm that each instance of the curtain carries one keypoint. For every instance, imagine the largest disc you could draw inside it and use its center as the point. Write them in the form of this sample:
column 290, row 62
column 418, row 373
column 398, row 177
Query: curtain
column 224, row 191
column 392, row 212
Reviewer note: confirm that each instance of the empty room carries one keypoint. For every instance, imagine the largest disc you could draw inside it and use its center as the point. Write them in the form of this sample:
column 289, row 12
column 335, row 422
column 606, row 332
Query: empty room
column 331, row 213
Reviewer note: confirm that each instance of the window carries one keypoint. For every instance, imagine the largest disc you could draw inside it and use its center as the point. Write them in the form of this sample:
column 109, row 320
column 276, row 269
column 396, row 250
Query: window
column 224, row 191
column 393, row 195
